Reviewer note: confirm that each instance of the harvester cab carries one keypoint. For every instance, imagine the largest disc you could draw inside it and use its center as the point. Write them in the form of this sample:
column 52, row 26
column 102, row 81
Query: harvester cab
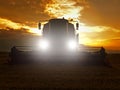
column 59, row 35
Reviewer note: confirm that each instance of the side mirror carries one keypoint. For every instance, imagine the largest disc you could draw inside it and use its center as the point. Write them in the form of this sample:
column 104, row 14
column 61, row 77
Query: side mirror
column 39, row 25
column 77, row 26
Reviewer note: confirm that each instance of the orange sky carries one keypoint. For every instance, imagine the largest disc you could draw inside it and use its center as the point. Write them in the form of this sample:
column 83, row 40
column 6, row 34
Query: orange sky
column 99, row 19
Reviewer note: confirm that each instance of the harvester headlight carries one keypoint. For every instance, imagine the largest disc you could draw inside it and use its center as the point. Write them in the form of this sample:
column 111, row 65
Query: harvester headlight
column 44, row 44
column 72, row 45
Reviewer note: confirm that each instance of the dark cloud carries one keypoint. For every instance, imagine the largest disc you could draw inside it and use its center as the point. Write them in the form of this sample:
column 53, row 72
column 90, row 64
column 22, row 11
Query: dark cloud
column 105, row 13
column 96, row 12
column 14, row 33
column 23, row 10
column 11, row 37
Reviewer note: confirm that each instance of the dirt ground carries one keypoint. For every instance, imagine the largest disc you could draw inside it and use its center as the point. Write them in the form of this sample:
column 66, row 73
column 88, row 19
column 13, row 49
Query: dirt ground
column 59, row 76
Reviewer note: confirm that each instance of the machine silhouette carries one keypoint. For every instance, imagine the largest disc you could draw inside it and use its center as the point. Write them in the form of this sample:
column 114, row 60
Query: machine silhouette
column 59, row 42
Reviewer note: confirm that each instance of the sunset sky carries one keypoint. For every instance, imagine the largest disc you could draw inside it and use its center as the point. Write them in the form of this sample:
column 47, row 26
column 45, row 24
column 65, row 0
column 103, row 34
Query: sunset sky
column 99, row 20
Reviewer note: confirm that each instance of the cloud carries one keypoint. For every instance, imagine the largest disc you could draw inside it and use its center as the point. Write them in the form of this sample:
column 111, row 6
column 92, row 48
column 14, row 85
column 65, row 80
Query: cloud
column 91, row 12
column 63, row 8
column 8, row 23
column 98, row 36
column 23, row 11
column 32, row 11
column 10, row 38
column 100, row 17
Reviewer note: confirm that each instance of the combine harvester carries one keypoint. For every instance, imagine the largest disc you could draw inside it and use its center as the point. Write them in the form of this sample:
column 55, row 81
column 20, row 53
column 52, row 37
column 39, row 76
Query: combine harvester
column 59, row 43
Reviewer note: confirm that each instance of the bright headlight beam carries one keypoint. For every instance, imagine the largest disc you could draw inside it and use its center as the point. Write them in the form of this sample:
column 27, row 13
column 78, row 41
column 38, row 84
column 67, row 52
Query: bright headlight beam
column 72, row 45
column 44, row 44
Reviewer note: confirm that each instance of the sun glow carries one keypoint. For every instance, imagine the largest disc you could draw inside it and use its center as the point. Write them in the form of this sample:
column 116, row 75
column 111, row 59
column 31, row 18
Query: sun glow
column 35, row 31
column 63, row 8
column 69, row 10
column 9, row 23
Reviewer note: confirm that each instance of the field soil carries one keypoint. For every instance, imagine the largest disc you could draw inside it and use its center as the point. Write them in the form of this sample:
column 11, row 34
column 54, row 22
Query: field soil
column 61, row 75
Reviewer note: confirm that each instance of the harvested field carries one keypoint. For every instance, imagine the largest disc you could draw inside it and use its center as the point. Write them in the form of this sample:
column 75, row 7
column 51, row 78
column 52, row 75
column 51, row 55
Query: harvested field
column 60, row 75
